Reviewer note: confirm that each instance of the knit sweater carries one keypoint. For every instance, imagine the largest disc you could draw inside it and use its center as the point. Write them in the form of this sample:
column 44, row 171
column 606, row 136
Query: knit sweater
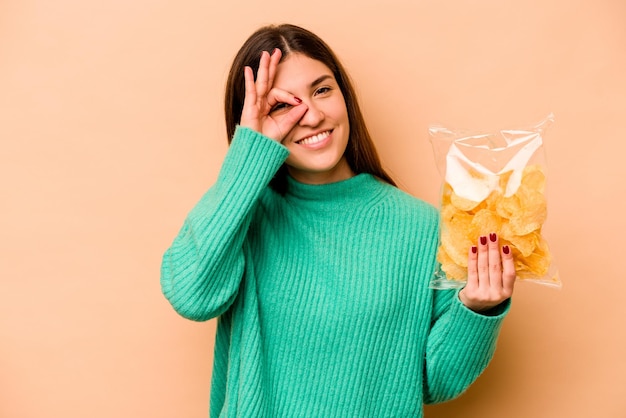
column 321, row 295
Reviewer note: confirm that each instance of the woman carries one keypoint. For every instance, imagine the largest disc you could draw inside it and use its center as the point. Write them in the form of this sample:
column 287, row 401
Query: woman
column 316, row 266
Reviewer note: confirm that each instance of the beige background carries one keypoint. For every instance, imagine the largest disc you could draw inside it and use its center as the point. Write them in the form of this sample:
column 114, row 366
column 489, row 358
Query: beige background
column 111, row 129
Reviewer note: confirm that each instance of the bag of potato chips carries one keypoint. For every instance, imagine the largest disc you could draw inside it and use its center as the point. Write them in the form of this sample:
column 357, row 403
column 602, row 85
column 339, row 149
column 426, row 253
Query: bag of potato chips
column 492, row 182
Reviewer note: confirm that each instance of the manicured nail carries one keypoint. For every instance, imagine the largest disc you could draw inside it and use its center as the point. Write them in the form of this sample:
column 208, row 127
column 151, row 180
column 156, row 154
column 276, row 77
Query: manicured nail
column 506, row 249
column 493, row 237
column 483, row 240
column 297, row 99
column 474, row 249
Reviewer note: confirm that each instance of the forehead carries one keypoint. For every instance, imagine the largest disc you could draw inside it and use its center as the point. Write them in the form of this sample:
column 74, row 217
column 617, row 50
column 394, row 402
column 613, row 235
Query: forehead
column 298, row 70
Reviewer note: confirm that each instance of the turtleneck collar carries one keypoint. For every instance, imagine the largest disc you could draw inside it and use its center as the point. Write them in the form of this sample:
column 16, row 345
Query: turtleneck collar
column 360, row 190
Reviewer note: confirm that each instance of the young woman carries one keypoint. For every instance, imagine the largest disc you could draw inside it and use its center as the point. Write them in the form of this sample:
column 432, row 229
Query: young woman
column 316, row 266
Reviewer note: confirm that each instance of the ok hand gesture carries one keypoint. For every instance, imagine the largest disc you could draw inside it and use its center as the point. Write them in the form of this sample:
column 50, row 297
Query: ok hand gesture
column 262, row 96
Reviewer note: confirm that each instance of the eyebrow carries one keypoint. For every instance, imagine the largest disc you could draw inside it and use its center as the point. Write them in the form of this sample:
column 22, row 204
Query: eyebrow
column 319, row 80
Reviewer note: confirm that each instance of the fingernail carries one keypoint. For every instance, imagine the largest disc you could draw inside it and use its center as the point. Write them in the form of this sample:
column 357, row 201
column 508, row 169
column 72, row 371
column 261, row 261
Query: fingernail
column 297, row 99
column 474, row 249
column 493, row 237
column 483, row 240
column 506, row 249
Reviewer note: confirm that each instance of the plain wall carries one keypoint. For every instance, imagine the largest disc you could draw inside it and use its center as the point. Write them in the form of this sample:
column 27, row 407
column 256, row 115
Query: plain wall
column 111, row 129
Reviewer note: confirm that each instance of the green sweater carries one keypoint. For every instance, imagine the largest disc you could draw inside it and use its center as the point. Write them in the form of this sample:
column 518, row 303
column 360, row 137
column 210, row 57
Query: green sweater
column 321, row 295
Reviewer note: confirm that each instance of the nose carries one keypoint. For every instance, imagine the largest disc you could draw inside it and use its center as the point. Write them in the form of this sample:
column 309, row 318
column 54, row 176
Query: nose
column 313, row 116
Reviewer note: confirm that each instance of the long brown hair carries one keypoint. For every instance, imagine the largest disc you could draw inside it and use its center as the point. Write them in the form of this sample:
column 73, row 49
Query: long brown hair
column 360, row 152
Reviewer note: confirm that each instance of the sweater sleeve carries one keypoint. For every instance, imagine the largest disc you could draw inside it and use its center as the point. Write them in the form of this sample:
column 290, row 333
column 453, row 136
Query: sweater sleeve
column 202, row 269
column 460, row 345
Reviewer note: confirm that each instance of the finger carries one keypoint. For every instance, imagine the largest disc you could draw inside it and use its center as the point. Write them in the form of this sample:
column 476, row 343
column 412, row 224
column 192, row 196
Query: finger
column 262, row 86
column 274, row 60
column 495, row 264
column 276, row 96
column 287, row 122
column 250, row 95
column 472, row 268
column 508, row 270
column 483, row 263
column 249, row 112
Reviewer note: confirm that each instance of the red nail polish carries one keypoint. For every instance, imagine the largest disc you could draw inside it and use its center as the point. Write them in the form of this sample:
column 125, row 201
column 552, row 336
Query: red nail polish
column 297, row 99
column 506, row 249
column 474, row 249
column 493, row 237
column 483, row 240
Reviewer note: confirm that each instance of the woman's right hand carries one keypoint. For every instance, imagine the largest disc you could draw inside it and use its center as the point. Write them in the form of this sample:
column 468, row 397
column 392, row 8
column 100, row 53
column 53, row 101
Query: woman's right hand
column 261, row 97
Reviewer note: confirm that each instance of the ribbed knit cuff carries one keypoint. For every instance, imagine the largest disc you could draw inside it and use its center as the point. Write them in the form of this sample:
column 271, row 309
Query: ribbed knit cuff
column 478, row 326
column 498, row 311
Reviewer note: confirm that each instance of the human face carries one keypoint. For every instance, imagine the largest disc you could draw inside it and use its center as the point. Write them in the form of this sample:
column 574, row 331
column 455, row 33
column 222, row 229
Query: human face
column 318, row 141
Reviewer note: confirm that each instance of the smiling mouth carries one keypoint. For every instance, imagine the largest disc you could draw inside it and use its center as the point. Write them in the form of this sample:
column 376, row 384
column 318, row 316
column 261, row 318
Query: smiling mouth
column 314, row 139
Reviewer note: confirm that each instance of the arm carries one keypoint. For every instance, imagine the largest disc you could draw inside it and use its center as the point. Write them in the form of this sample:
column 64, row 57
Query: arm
column 460, row 345
column 466, row 323
column 202, row 269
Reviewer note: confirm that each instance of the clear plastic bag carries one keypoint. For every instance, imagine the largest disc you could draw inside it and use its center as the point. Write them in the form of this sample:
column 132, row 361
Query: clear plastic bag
column 492, row 182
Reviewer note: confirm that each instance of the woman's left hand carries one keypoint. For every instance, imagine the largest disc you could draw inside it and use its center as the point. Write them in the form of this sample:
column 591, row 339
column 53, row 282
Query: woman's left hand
column 490, row 275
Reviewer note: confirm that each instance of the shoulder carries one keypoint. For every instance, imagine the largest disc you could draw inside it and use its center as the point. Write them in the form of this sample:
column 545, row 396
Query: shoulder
column 405, row 212
column 412, row 222
column 405, row 203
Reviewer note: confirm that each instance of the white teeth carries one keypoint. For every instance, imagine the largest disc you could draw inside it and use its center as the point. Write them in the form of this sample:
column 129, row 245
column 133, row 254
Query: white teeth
column 315, row 138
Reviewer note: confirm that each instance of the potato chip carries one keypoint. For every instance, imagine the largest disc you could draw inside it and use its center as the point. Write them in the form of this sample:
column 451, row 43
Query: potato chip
column 451, row 214
column 452, row 270
column 532, row 214
column 534, row 178
column 492, row 201
column 462, row 203
column 483, row 223
column 536, row 264
column 506, row 207
column 454, row 241
column 526, row 244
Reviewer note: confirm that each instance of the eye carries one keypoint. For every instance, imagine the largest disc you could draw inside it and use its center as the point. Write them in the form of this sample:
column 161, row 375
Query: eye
column 322, row 90
column 279, row 106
